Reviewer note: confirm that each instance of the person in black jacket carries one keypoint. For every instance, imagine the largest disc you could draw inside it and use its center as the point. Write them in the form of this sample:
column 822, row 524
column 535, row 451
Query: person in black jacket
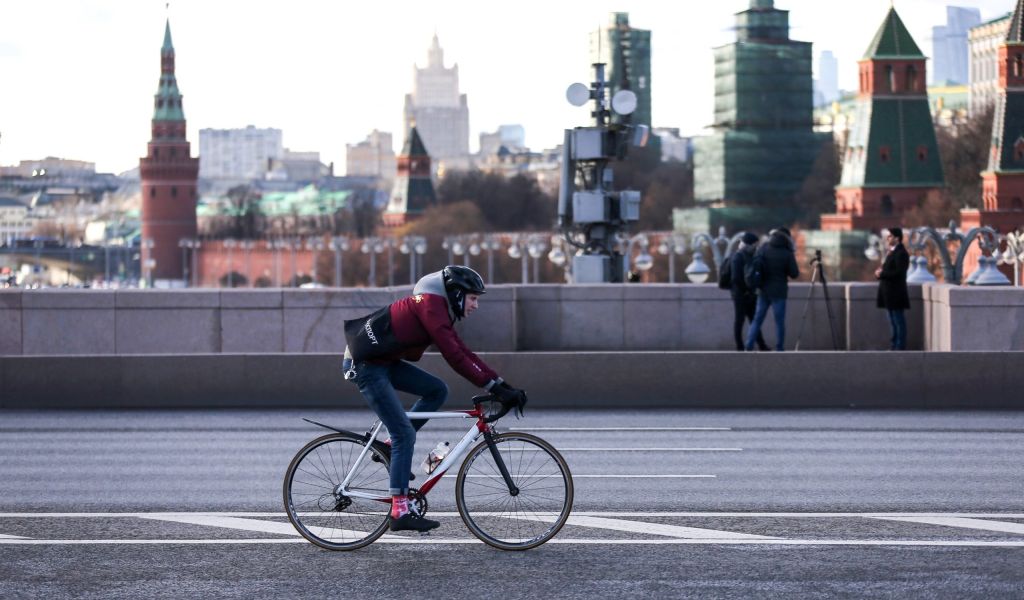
column 744, row 299
column 892, row 287
column 779, row 264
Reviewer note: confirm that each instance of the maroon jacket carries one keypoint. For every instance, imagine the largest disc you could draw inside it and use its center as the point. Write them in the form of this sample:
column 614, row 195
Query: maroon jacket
column 423, row 319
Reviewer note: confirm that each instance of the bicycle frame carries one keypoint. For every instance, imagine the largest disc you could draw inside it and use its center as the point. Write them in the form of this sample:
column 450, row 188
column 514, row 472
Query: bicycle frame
column 475, row 431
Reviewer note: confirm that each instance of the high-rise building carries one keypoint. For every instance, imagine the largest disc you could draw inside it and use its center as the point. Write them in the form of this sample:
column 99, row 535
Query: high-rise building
column 949, row 45
column 1003, row 180
column 763, row 146
column 241, row 154
column 511, row 137
column 891, row 163
column 372, row 157
column 627, row 53
column 827, row 83
column 413, row 191
column 439, row 112
column 983, row 44
column 168, row 176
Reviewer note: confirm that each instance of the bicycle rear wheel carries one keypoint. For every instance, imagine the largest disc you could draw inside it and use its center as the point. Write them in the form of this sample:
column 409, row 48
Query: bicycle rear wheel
column 539, row 508
column 322, row 515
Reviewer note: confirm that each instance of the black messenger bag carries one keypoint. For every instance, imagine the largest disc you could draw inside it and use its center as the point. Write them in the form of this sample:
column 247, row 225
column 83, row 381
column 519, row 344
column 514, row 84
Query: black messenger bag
column 371, row 336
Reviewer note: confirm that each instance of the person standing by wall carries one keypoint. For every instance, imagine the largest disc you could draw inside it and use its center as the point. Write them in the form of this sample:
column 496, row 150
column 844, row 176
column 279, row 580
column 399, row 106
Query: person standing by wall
column 892, row 287
column 744, row 299
column 778, row 262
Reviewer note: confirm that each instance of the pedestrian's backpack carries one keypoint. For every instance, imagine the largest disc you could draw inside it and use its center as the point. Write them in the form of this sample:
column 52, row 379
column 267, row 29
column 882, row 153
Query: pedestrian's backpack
column 725, row 274
column 753, row 272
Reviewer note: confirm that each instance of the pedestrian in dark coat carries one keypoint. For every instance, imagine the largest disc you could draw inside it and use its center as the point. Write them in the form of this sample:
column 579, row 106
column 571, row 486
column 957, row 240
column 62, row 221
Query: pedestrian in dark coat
column 744, row 299
column 892, row 287
column 779, row 266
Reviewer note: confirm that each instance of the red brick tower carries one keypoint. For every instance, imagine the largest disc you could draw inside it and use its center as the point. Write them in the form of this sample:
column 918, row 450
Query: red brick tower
column 413, row 191
column 892, row 159
column 1003, row 180
column 169, row 175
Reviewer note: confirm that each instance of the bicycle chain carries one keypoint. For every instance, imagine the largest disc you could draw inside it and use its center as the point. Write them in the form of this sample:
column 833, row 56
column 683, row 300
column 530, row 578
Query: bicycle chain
column 419, row 501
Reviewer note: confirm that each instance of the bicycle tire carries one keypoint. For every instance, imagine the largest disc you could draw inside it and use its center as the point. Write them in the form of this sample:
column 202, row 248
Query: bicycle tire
column 316, row 512
column 528, row 519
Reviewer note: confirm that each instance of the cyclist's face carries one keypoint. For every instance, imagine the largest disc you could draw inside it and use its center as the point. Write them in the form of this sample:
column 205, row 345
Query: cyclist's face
column 472, row 303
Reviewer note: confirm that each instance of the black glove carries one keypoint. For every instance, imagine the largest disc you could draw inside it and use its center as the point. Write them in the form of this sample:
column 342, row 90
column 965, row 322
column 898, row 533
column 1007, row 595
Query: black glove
column 510, row 396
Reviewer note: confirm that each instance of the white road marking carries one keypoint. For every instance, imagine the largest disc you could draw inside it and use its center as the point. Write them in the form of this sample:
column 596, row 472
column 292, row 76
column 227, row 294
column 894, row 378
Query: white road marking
column 650, row 449
column 625, row 428
column 274, row 527
column 654, row 528
column 583, row 541
column 11, row 537
column 793, row 515
column 611, row 476
column 962, row 522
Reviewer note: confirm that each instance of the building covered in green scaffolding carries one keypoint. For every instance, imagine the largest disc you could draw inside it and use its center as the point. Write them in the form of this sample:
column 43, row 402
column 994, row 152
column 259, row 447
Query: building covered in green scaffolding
column 748, row 171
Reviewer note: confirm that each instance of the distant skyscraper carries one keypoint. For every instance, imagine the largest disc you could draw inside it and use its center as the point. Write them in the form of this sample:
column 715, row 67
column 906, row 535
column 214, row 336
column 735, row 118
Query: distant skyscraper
column 627, row 52
column 511, row 137
column 891, row 164
column 238, row 153
column 949, row 45
column 168, row 175
column 828, row 77
column 438, row 111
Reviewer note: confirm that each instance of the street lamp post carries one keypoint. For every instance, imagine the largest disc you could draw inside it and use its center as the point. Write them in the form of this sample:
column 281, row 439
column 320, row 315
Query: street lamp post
column 338, row 244
column 721, row 247
column 230, row 245
column 671, row 246
column 643, row 260
column 490, row 243
column 535, row 247
column 415, row 246
column 314, row 245
column 147, row 245
column 952, row 269
column 196, row 244
column 516, row 250
column 247, row 246
column 1014, row 253
column 373, row 246
column 184, row 244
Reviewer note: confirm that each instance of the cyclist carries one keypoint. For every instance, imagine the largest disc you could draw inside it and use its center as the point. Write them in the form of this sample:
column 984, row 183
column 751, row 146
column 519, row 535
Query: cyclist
column 427, row 317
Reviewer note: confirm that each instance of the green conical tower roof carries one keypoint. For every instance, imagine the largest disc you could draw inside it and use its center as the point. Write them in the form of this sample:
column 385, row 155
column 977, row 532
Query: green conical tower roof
column 414, row 145
column 1013, row 36
column 893, row 40
column 167, row 101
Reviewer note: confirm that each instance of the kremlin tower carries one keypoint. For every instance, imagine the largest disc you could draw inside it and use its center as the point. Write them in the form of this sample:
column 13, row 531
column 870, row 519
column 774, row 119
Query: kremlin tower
column 413, row 191
column 168, row 175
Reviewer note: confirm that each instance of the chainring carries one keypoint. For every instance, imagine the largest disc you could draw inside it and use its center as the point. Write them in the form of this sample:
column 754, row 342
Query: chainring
column 419, row 501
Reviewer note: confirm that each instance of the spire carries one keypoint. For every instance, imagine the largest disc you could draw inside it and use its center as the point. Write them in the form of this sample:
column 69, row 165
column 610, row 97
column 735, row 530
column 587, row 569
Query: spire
column 168, row 45
column 435, row 56
column 413, row 144
column 1014, row 35
column 893, row 40
column 167, row 100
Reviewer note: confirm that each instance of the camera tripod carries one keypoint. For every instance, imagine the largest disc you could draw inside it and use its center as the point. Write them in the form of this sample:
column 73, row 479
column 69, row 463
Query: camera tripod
column 818, row 274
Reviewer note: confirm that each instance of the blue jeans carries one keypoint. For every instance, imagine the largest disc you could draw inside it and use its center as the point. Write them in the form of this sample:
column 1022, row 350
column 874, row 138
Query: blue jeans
column 778, row 306
column 898, row 326
column 377, row 383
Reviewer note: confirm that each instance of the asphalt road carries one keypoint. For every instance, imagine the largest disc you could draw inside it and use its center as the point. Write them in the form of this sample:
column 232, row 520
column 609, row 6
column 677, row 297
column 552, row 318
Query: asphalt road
column 668, row 504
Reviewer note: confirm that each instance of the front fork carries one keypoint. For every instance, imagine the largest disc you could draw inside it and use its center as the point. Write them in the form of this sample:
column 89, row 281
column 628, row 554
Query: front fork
column 489, row 439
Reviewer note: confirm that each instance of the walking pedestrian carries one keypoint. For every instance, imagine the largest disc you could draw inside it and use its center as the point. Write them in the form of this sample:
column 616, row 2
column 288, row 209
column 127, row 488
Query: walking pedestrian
column 892, row 287
column 778, row 261
column 744, row 299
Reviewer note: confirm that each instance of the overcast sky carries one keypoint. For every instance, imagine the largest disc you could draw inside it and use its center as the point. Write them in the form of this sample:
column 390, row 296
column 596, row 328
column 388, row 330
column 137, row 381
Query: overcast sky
column 77, row 77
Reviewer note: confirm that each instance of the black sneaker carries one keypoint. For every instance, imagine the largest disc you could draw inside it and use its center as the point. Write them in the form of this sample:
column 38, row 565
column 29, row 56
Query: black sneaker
column 385, row 449
column 411, row 521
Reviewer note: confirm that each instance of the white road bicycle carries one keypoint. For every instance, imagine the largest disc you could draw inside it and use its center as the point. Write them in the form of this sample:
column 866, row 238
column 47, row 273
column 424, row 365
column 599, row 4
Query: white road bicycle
column 514, row 491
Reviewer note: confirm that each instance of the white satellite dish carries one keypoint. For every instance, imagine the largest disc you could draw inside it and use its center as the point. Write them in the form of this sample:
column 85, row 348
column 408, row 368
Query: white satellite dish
column 578, row 94
column 624, row 102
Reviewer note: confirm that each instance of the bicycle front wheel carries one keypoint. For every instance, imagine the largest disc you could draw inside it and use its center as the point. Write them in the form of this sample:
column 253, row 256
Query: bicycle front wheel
column 532, row 514
column 316, row 507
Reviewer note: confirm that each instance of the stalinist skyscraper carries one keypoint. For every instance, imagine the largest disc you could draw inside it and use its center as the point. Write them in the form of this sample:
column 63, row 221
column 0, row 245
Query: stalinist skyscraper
column 439, row 112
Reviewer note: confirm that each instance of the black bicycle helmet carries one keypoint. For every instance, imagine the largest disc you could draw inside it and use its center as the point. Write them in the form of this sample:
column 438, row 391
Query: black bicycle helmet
column 458, row 281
